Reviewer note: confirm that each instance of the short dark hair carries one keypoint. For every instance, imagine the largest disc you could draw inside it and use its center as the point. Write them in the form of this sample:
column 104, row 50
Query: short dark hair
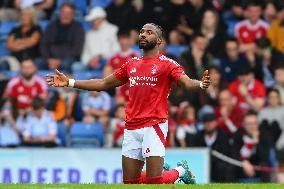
column 159, row 29
column 273, row 90
column 38, row 103
column 263, row 42
column 68, row 4
column 123, row 33
column 250, row 113
column 244, row 70
column 232, row 39
column 253, row 3
column 195, row 36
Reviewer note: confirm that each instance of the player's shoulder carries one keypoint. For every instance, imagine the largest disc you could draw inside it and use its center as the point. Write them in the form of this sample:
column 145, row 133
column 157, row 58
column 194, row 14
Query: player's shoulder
column 14, row 81
column 133, row 60
column 168, row 60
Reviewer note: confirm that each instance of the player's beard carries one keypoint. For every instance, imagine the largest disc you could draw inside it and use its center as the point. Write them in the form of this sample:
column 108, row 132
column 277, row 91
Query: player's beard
column 147, row 46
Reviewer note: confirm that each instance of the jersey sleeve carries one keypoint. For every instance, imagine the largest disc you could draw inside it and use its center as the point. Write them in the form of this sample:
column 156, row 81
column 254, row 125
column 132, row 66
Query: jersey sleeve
column 121, row 73
column 176, row 71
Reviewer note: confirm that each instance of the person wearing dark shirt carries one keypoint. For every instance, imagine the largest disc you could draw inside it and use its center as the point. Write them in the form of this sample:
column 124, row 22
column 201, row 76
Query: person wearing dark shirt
column 23, row 41
column 122, row 14
column 215, row 139
column 232, row 61
column 63, row 40
column 252, row 144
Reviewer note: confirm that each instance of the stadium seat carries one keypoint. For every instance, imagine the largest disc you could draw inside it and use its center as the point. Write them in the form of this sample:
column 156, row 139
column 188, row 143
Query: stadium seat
column 176, row 50
column 231, row 26
column 43, row 24
column 86, row 134
column 84, row 75
column 5, row 28
column 3, row 48
column 87, row 25
column 10, row 74
column 61, row 133
column 100, row 3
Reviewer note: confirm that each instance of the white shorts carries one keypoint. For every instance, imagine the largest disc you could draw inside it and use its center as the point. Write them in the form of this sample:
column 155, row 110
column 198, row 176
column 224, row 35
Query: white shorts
column 145, row 142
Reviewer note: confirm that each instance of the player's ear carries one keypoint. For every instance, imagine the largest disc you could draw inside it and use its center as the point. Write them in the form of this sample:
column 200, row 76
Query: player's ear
column 159, row 41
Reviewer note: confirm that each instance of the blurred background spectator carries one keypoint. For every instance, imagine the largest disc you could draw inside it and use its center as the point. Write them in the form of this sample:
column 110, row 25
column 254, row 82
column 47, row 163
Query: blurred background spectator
column 40, row 127
column 23, row 41
column 101, row 41
column 63, row 40
column 240, row 42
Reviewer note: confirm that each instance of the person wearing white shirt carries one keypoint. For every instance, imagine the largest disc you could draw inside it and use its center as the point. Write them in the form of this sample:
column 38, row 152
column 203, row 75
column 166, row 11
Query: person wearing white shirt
column 40, row 127
column 101, row 42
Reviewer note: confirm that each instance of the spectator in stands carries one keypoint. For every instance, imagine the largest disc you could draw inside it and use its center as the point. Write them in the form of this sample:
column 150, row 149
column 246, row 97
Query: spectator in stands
column 196, row 60
column 252, row 145
column 96, row 107
column 116, row 127
column 215, row 139
column 116, row 61
column 266, row 60
column 270, row 11
column 232, row 61
column 64, row 103
column 215, row 32
column 122, row 14
column 23, row 41
column 8, row 11
column 43, row 8
column 274, row 111
column 40, row 127
column 26, row 86
column 275, row 32
column 250, row 29
column 229, row 115
column 210, row 97
column 249, row 91
column 63, row 40
column 101, row 42
column 191, row 18
column 279, row 79
column 186, row 129
column 176, row 38
column 11, row 124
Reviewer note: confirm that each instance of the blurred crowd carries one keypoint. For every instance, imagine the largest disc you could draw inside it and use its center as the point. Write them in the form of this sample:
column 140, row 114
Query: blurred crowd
column 240, row 42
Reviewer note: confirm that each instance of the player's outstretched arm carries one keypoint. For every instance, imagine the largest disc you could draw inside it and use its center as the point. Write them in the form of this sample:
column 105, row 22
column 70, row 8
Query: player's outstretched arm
column 61, row 80
column 192, row 84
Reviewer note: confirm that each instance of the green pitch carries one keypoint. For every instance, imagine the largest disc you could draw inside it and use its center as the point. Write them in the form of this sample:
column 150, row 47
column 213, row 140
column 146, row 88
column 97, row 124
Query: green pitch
column 120, row 186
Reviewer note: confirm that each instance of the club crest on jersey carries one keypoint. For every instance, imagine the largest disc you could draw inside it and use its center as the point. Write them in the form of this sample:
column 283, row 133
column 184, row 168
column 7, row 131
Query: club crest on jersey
column 133, row 70
column 154, row 69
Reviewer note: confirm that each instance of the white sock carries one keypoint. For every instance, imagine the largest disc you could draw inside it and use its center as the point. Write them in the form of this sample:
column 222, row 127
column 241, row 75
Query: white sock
column 181, row 171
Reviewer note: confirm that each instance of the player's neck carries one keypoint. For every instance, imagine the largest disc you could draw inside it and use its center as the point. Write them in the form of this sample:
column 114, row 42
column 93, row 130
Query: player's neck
column 150, row 53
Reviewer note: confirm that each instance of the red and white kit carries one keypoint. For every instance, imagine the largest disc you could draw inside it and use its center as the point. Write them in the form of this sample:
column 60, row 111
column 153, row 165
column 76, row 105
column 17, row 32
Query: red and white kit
column 150, row 81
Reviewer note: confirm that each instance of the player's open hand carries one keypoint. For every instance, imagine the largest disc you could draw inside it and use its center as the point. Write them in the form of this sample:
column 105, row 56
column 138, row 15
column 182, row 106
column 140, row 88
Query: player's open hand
column 206, row 80
column 57, row 80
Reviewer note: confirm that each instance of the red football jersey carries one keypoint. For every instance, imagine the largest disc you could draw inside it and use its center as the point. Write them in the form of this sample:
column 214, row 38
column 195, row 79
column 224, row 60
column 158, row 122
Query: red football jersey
column 23, row 92
column 150, row 81
column 256, row 89
column 247, row 33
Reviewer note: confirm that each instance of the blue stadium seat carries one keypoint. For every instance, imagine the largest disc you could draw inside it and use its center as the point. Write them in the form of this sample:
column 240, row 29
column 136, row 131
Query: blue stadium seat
column 43, row 24
column 100, row 3
column 6, row 27
column 176, row 50
column 87, row 25
column 83, row 75
column 10, row 74
column 86, row 134
column 231, row 26
column 61, row 133
column 43, row 73
column 3, row 48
